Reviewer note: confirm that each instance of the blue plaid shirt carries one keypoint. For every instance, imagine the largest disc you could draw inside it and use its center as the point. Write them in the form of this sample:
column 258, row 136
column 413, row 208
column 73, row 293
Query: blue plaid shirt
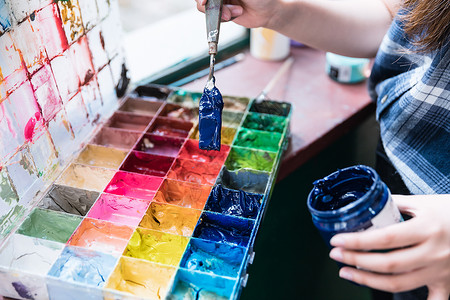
column 412, row 92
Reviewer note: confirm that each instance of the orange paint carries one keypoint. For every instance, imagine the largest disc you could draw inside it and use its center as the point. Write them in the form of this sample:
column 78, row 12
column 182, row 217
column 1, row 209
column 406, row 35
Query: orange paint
column 183, row 194
column 101, row 236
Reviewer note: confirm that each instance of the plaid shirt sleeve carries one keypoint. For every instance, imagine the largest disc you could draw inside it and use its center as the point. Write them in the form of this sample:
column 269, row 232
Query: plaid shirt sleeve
column 412, row 92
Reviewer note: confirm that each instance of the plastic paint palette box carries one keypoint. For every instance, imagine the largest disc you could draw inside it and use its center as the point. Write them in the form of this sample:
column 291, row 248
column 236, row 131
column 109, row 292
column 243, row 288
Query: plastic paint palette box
column 142, row 213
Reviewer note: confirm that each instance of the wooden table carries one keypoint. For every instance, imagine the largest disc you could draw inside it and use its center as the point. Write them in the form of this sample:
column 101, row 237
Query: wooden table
column 324, row 110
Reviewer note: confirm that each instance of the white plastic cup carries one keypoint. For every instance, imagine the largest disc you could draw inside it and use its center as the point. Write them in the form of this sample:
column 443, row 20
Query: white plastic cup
column 267, row 44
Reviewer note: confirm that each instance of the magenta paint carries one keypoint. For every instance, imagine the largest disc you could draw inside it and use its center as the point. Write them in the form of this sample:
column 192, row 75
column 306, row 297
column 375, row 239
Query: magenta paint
column 147, row 164
column 192, row 151
column 170, row 127
column 119, row 209
column 194, row 171
column 111, row 137
column 129, row 121
column 134, row 185
column 159, row 145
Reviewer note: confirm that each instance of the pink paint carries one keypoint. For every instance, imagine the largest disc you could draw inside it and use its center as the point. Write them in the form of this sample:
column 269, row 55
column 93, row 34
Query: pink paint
column 134, row 185
column 46, row 93
column 143, row 163
column 50, row 30
column 118, row 209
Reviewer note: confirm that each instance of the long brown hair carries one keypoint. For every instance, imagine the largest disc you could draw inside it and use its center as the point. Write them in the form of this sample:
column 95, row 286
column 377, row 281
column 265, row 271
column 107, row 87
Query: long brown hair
column 428, row 21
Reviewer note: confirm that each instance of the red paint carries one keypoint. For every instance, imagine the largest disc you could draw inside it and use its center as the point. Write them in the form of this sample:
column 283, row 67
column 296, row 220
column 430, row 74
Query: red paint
column 147, row 164
column 134, row 185
column 191, row 151
column 194, row 171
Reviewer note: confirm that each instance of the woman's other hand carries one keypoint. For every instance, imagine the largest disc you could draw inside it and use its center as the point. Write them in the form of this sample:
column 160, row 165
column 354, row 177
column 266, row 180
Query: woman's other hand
column 421, row 255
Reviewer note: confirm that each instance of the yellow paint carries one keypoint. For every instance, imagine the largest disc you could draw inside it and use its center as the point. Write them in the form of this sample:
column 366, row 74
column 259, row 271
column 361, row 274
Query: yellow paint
column 227, row 135
column 140, row 278
column 156, row 246
column 86, row 177
column 170, row 219
column 99, row 156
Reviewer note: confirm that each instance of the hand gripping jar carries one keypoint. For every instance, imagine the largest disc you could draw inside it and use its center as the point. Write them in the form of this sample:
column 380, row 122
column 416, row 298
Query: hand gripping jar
column 349, row 200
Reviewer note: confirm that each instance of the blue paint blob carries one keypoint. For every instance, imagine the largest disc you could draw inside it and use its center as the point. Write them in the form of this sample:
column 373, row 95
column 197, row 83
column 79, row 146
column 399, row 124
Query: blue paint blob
column 195, row 285
column 83, row 266
column 210, row 119
column 224, row 229
column 214, row 258
column 234, row 203
column 22, row 290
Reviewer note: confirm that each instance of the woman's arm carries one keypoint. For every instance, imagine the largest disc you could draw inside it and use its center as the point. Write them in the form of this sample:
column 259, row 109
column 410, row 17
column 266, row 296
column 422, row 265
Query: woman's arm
column 346, row 27
column 422, row 249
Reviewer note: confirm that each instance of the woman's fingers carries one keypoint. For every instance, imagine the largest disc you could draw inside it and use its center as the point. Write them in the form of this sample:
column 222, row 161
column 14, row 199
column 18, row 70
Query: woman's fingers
column 402, row 234
column 397, row 261
column 393, row 283
column 229, row 11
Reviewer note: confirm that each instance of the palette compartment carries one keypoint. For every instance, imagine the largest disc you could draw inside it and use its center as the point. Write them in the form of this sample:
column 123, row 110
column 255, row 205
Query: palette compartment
column 183, row 194
column 262, row 140
column 116, row 138
column 133, row 185
column 214, row 258
column 175, row 111
column 224, row 229
column 129, row 121
column 147, row 164
column 191, row 151
column 140, row 107
column 265, row 122
column 226, row 137
column 243, row 158
column 99, row 156
column 159, row 145
column 170, row 127
column 68, row 199
column 271, row 107
column 247, row 180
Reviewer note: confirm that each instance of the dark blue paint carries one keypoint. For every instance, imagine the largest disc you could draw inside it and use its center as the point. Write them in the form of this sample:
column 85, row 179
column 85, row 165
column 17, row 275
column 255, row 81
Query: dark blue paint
column 347, row 200
column 234, row 203
column 210, row 119
column 224, row 229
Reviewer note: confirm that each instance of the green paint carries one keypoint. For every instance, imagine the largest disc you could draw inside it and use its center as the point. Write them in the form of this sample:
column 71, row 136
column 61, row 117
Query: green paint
column 49, row 225
column 240, row 158
column 9, row 220
column 255, row 139
column 7, row 192
column 265, row 122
